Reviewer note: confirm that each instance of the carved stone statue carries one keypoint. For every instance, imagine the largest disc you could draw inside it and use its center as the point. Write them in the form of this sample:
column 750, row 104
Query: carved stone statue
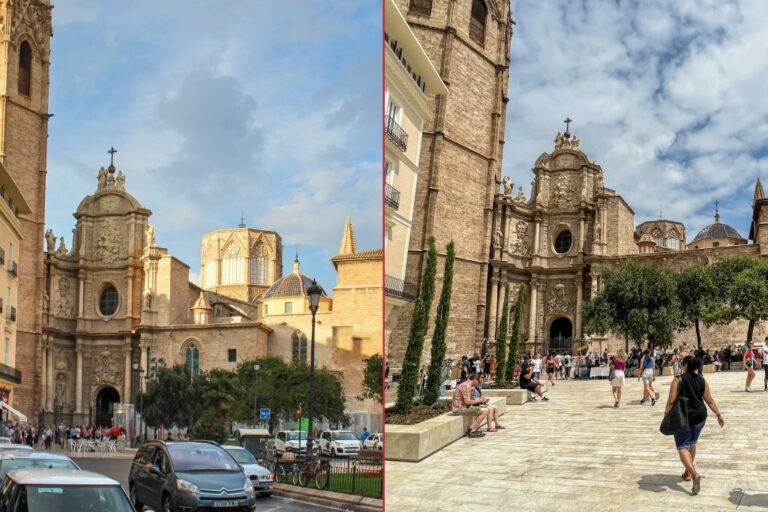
column 62, row 250
column 508, row 186
column 521, row 246
column 598, row 232
column 120, row 180
column 105, row 371
column 50, row 240
column 559, row 141
column 561, row 193
column 575, row 143
column 61, row 387
column 520, row 195
column 102, row 178
column 559, row 300
column 46, row 301
column 497, row 238
column 65, row 304
column 150, row 235
column 600, row 183
column 537, row 189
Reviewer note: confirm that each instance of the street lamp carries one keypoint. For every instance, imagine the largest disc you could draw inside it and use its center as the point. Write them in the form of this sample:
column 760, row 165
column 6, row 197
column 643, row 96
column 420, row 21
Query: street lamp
column 255, row 393
column 314, row 292
column 135, row 365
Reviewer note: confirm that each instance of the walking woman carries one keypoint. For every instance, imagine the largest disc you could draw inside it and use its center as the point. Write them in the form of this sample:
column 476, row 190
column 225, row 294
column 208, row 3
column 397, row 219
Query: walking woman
column 551, row 367
column 692, row 386
column 647, row 369
column 749, row 364
column 619, row 365
column 676, row 363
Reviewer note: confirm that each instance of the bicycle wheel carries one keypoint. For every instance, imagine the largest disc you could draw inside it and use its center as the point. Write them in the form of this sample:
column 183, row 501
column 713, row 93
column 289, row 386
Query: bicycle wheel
column 281, row 473
column 323, row 477
column 304, row 477
column 296, row 473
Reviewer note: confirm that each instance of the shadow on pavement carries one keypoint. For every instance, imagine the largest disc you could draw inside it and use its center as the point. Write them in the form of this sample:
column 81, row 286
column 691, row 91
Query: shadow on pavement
column 740, row 498
column 660, row 483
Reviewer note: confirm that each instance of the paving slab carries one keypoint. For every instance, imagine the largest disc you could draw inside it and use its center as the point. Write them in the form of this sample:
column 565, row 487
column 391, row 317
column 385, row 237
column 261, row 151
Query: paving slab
column 577, row 452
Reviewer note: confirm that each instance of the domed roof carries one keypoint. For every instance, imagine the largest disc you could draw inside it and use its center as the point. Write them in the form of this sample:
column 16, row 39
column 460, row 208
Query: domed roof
column 718, row 230
column 294, row 284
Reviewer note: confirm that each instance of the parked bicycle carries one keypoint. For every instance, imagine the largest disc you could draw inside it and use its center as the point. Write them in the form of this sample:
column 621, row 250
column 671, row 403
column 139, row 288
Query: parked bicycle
column 315, row 469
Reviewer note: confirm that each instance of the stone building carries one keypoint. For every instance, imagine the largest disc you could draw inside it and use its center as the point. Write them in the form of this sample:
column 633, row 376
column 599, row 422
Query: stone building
column 468, row 42
column 25, row 45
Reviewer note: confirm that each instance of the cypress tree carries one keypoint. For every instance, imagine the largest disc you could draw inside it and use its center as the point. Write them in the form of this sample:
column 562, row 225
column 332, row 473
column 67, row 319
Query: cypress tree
column 501, row 340
column 432, row 391
column 514, row 341
column 409, row 376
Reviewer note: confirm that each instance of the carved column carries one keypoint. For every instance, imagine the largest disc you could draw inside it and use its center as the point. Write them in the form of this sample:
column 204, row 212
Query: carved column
column 581, row 231
column 532, row 318
column 79, row 379
column 536, row 232
column 44, row 371
column 492, row 307
column 80, row 299
column 144, row 362
column 127, row 375
column 49, row 386
column 577, row 315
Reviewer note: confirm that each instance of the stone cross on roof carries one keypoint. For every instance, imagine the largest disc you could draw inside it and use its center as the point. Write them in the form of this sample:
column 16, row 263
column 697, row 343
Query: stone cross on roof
column 112, row 152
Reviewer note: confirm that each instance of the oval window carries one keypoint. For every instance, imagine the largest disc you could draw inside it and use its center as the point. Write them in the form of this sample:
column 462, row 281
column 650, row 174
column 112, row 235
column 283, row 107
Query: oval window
column 563, row 242
column 108, row 301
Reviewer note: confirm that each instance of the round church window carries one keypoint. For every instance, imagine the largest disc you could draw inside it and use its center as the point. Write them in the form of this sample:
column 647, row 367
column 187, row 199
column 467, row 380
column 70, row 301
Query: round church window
column 108, row 301
column 563, row 242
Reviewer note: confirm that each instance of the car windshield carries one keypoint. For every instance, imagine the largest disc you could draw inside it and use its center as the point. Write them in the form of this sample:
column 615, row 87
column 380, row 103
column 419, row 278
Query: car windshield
column 201, row 458
column 294, row 436
column 11, row 464
column 345, row 436
column 243, row 456
column 66, row 498
column 14, row 447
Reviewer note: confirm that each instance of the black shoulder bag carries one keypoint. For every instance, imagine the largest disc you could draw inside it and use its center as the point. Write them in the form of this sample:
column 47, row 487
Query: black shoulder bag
column 676, row 419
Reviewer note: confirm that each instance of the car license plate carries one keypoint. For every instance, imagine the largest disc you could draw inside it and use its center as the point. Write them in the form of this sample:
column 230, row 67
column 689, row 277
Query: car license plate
column 227, row 503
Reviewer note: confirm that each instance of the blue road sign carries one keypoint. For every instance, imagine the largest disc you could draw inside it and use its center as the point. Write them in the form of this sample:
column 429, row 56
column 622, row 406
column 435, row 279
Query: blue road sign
column 265, row 412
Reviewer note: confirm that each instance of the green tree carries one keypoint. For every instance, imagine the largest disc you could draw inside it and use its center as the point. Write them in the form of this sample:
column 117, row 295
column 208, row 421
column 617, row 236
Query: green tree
column 501, row 340
column 434, row 375
column 224, row 397
column 209, row 427
column 638, row 302
column 409, row 375
column 740, row 291
column 174, row 398
column 695, row 295
column 514, row 341
column 373, row 380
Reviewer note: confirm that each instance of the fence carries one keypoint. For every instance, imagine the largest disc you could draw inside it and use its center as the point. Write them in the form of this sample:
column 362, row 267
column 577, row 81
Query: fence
column 359, row 476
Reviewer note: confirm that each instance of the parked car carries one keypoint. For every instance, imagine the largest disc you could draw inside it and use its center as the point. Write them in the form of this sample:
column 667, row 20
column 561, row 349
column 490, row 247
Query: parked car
column 44, row 490
column 338, row 443
column 374, row 442
column 261, row 478
column 291, row 441
column 188, row 476
column 5, row 440
column 13, row 447
column 28, row 460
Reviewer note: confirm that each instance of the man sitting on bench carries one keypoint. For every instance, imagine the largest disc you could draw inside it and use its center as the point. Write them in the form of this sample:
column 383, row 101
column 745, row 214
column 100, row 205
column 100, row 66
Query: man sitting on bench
column 528, row 382
column 463, row 405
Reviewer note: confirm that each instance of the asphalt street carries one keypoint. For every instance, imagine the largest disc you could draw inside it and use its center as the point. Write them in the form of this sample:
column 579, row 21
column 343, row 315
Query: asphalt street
column 118, row 470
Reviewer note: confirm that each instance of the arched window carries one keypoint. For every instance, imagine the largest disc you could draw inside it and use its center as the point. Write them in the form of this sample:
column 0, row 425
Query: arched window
column 193, row 359
column 25, row 68
column 299, row 342
column 658, row 238
column 108, row 301
column 232, row 265
column 259, row 266
column 477, row 22
column 672, row 241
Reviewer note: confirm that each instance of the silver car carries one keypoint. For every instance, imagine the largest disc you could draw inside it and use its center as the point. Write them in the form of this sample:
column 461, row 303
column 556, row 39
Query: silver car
column 56, row 490
column 261, row 478
column 29, row 460
column 13, row 447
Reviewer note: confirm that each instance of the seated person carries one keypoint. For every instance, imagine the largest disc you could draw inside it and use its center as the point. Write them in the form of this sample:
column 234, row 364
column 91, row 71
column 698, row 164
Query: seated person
column 528, row 382
column 463, row 405
column 477, row 394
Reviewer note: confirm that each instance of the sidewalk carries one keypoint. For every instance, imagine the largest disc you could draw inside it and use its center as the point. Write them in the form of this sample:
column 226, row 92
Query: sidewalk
column 334, row 500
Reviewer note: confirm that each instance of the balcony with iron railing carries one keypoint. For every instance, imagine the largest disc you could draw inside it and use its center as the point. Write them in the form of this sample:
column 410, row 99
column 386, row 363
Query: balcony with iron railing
column 13, row 269
column 396, row 133
column 399, row 289
column 391, row 196
column 10, row 374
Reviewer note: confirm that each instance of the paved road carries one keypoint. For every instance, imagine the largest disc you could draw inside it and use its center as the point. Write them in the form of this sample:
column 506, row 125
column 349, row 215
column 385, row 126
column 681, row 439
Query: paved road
column 576, row 452
column 118, row 469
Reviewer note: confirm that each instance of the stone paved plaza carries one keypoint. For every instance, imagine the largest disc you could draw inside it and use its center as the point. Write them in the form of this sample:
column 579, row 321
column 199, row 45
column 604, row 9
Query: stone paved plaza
column 576, row 452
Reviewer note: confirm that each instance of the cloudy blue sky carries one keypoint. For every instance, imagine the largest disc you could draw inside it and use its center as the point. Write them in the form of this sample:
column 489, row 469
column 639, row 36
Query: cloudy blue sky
column 669, row 97
column 218, row 107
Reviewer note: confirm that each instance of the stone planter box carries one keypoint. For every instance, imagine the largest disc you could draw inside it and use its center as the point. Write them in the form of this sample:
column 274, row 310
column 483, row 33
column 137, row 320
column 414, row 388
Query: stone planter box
column 667, row 371
column 513, row 396
column 709, row 368
column 737, row 365
column 412, row 443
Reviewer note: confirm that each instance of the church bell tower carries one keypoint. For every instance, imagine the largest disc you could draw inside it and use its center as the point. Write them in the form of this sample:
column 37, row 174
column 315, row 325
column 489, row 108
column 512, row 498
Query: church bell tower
column 25, row 46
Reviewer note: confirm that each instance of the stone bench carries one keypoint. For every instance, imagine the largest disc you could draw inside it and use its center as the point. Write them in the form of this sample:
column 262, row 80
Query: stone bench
column 709, row 368
column 412, row 443
column 668, row 371
column 513, row 396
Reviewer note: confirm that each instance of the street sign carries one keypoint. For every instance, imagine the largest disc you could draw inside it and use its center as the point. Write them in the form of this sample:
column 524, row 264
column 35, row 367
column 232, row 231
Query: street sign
column 264, row 413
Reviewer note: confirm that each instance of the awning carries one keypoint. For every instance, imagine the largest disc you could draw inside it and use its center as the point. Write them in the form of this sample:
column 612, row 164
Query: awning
column 21, row 417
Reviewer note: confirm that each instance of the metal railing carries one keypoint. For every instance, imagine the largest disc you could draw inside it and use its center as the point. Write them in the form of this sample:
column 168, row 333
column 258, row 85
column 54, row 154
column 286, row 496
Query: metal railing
column 10, row 374
column 354, row 475
column 391, row 196
column 396, row 133
column 399, row 289
column 13, row 268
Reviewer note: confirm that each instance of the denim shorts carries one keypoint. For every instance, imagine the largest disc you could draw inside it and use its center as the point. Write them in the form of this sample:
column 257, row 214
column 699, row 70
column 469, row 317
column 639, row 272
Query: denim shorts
column 685, row 438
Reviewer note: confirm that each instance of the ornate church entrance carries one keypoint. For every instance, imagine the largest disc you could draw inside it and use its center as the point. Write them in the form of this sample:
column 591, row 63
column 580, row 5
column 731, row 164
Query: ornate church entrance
column 105, row 404
column 560, row 334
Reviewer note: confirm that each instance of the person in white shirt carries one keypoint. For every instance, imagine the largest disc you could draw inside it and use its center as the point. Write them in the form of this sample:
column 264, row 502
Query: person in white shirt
column 560, row 369
column 536, row 362
column 765, row 364
column 567, row 365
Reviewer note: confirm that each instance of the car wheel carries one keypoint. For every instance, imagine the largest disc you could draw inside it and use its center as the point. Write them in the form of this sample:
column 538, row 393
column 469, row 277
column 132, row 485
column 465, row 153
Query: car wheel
column 168, row 504
column 135, row 498
column 266, row 494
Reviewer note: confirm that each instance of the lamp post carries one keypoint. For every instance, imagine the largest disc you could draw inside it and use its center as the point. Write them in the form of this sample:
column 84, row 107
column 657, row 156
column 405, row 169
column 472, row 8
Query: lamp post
column 141, row 402
column 255, row 394
column 314, row 292
column 135, row 366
